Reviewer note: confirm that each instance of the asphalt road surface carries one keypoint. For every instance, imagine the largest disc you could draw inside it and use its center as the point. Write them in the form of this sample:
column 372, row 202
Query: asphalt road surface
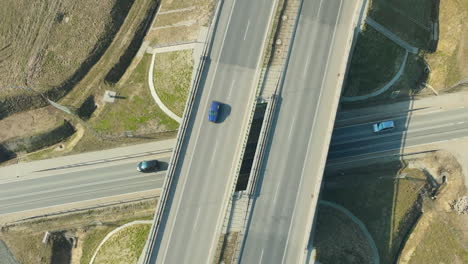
column 409, row 131
column 283, row 211
column 203, row 177
column 68, row 187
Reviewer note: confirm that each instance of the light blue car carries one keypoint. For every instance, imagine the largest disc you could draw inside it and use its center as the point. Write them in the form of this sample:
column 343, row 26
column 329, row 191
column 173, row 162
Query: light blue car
column 383, row 126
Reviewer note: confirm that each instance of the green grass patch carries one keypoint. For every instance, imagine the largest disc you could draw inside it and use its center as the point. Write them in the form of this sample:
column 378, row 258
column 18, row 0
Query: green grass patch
column 414, row 25
column 384, row 203
column 172, row 77
column 338, row 239
column 91, row 242
column 125, row 246
column 411, row 79
column 376, row 59
column 137, row 111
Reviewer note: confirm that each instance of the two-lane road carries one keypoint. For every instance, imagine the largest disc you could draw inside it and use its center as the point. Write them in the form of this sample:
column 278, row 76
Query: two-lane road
column 291, row 174
column 87, row 183
column 204, row 174
column 409, row 131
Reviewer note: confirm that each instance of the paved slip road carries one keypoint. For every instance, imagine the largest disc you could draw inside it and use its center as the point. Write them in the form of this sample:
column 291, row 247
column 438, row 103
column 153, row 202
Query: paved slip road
column 419, row 129
column 203, row 177
column 291, row 174
column 76, row 186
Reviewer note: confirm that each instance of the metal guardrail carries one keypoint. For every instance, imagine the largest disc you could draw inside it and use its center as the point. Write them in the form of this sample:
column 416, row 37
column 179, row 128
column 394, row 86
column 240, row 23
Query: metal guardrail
column 180, row 136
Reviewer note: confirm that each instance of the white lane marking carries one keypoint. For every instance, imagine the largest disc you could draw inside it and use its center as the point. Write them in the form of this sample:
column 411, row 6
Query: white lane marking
column 292, row 127
column 304, row 73
column 230, row 88
column 213, row 154
column 261, row 257
column 198, row 133
column 276, row 193
column 246, row 29
column 459, row 123
column 196, row 218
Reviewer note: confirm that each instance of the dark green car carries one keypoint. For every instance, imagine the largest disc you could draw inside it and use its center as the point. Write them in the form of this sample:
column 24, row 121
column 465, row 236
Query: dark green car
column 148, row 166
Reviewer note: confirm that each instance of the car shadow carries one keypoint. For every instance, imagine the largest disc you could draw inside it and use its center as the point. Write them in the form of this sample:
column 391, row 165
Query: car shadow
column 163, row 166
column 224, row 113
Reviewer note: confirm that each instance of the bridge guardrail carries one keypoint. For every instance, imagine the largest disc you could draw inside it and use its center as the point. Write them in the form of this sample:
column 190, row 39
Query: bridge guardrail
column 180, row 135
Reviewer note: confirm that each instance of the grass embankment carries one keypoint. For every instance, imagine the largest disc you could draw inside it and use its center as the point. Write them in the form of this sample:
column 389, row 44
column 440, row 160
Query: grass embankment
column 442, row 243
column 172, row 77
column 446, row 53
column 393, row 200
column 339, row 240
column 385, row 204
column 440, row 235
column 90, row 227
column 125, row 246
column 137, row 111
column 449, row 63
column 439, row 31
column 447, row 57
column 370, row 68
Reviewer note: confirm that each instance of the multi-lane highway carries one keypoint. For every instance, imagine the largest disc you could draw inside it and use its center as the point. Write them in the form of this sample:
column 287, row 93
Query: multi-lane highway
column 416, row 129
column 87, row 183
column 76, row 184
column 204, row 175
column 291, row 176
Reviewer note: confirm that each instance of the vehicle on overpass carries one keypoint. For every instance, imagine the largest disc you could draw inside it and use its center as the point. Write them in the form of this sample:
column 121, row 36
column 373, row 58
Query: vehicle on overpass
column 214, row 111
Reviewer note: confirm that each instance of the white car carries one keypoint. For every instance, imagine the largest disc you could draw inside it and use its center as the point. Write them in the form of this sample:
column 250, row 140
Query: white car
column 383, row 126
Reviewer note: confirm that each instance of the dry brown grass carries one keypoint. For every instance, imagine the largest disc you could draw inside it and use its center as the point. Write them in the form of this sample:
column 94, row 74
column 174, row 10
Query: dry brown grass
column 440, row 236
column 43, row 43
column 29, row 123
column 180, row 26
column 449, row 63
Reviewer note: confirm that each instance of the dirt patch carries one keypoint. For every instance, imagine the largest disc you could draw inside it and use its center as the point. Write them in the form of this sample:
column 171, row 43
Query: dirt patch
column 28, row 123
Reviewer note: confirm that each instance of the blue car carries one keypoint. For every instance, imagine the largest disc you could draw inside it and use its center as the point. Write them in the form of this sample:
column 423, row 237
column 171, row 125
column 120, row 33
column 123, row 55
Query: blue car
column 214, row 111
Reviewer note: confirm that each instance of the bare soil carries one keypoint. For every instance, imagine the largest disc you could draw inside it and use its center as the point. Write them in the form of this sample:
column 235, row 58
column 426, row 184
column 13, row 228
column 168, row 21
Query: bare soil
column 29, row 123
